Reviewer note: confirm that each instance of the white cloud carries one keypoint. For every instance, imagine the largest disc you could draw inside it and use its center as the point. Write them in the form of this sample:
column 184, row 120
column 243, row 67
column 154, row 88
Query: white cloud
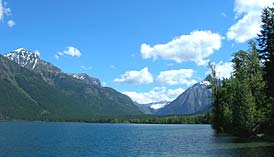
column 11, row 23
column 60, row 53
column 175, row 77
column 70, row 51
column 136, row 77
column 5, row 12
column 248, row 13
column 223, row 69
column 196, row 47
column 155, row 95
column 85, row 67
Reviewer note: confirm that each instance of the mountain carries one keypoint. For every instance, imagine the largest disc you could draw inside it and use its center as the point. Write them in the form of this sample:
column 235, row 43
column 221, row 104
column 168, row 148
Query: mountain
column 158, row 105
column 195, row 99
column 32, row 88
column 144, row 108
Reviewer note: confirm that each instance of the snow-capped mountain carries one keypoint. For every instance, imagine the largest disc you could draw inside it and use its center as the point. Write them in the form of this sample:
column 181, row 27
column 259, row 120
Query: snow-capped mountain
column 24, row 58
column 31, row 61
column 49, row 72
column 30, row 86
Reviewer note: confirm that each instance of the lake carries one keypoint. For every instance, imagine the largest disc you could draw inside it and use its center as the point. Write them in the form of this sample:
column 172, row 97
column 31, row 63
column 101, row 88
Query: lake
column 19, row 138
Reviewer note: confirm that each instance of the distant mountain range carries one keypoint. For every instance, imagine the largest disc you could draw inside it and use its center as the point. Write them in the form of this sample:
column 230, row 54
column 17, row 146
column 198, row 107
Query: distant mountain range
column 31, row 88
column 194, row 100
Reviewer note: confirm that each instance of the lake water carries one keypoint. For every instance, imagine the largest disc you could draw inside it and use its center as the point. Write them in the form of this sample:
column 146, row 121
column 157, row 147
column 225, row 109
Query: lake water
column 83, row 139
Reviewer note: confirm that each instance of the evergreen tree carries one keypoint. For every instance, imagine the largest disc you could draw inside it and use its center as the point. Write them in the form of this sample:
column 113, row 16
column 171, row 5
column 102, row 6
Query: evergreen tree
column 257, row 86
column 217, row 108
column 239, row 102
column 226, row 96
column 266, row 44
column 243, row 109
column 248, row 109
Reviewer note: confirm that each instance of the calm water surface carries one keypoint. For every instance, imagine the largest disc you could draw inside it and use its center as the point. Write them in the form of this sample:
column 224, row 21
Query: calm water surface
column 83, row 139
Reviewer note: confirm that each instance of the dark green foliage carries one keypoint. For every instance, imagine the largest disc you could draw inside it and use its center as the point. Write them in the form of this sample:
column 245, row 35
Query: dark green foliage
column 138, row 119
column 266, row 51
column 243, row 110
column 239, row 104
column 26, row 94
column 225, row 97
column 266, row 47
column 217, row 108
column 16, row 104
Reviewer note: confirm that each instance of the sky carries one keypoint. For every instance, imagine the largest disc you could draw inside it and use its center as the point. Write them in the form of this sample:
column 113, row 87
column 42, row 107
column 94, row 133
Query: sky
column 151, row 50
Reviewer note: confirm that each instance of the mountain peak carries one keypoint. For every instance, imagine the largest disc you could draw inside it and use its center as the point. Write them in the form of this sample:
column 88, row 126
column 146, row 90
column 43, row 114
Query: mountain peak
column 24, row 57
column 20, row 49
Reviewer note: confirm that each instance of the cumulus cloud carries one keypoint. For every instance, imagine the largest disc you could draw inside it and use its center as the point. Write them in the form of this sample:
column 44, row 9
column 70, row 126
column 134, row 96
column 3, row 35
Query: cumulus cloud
column 196, row 47
column 11, row 23
column 248, row 14
column 155, row 95
column 175, row 77
column 223, row 69
column 72, row 51
column 136, row 77
column 69, row 51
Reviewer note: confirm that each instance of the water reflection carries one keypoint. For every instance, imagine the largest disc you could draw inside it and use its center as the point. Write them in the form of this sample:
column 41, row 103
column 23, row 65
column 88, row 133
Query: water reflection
column 227, row 145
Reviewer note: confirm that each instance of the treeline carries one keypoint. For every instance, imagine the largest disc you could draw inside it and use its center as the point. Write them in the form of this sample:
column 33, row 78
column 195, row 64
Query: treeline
column 137, row 119
column 172, row 119
column 244, row 104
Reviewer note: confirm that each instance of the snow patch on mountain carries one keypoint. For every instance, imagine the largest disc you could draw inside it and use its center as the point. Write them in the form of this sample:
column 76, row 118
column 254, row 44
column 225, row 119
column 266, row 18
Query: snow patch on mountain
column 86, row 78
column 77, row 76
column 23, row 57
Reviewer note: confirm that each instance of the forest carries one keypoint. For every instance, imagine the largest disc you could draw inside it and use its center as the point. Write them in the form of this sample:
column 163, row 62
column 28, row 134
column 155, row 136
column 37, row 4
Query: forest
column 243, row 105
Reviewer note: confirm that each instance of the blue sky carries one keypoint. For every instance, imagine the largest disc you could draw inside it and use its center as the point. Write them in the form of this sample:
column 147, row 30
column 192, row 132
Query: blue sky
column 149, row 49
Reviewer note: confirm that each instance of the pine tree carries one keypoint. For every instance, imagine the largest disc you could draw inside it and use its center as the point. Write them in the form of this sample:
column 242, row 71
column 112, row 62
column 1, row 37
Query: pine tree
column 226, row 95
column 217, row 108
column 257, row 85
column 243, row 109
column 266, row 44
column 249, row 112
